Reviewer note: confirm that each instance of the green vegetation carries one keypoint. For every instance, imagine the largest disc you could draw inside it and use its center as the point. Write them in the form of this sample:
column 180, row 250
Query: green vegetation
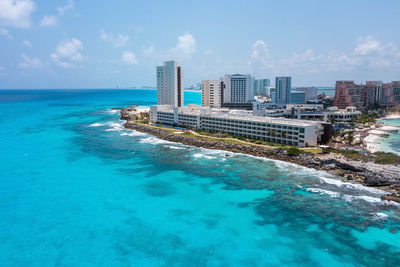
column 293, row 151
column 383, row 158
column 386, row 158
column 353, row 154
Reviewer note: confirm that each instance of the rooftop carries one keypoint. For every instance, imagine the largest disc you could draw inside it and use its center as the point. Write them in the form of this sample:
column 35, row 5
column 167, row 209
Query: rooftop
column 254, row 118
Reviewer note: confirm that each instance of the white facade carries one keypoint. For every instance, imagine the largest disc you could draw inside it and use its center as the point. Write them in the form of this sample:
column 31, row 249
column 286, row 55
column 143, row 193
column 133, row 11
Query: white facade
column 238, row 88
column 342, row 116
column 239, row 123
column 211, row 93
column 170, row 84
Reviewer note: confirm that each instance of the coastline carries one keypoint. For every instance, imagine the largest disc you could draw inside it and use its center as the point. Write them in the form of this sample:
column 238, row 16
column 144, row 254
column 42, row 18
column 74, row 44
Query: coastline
column 377, row 134
column 385, row 177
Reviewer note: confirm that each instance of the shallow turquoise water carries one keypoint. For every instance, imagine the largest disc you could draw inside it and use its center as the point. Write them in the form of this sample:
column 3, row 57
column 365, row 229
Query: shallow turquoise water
column 76, row 189
column 391, row 143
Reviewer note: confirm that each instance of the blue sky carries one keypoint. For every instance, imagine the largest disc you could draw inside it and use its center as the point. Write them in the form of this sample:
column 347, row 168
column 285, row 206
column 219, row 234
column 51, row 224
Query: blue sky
column 104, row 44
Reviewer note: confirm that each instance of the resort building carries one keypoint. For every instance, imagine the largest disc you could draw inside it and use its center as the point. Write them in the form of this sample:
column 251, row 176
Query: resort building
column 239, row 123
column 239, row 91
column 283, row 86
column 316, row 112
column 365, row 96
column 170, row 84
column 212, row 93
column 342, row 116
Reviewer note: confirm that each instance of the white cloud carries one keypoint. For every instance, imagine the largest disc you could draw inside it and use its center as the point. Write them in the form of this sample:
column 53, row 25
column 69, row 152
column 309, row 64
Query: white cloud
column 367, row 46
column 129, row 57
column 27, row 43
column 48, row 21
column 369, row 54
column 149, row 50
column 260, row 59
column 186, row 45
column 16, row 13
column 67, row 54
column 6, row 33
column 62, row 9
column 118, row 41
column 30, row 62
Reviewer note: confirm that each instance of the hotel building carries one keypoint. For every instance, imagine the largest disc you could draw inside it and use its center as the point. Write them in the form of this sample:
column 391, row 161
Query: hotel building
column 241, row 123
column 170, row 84
column 212, row 93
column 239, row 91
column 364, row 96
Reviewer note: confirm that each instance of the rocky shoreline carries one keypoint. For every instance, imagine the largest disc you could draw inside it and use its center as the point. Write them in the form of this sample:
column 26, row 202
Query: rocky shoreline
column 386, row 177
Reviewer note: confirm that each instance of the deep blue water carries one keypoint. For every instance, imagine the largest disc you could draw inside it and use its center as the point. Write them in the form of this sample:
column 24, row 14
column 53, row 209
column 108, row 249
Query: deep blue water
column 78, row 190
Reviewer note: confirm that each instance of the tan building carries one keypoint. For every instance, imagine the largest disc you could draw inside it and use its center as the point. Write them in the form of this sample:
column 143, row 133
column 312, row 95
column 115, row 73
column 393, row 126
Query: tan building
column 212, row 93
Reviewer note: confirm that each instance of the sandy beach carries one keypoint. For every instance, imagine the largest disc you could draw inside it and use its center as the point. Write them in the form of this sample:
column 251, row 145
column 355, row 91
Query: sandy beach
column 372, row 142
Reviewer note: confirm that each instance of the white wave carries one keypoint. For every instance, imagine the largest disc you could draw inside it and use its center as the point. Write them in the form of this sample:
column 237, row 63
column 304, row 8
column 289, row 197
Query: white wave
column 154, row 141
column 112, row 111
column 95, row 125
column 359, row 187
column 175, row 147
column 115, row 127
column 380, row 216
column 133, row 133
column 203, row 156
column 348, row 198
column 324, row 192
column 369, row 199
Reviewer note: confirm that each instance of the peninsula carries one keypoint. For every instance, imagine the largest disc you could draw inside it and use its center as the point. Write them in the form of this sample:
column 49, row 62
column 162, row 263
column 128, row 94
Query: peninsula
column 363, row 169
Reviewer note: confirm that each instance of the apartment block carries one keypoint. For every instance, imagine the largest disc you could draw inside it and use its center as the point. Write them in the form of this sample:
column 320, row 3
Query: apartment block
column 368, row 95
column 212, row 93
column 278, row 130
column 170, row 84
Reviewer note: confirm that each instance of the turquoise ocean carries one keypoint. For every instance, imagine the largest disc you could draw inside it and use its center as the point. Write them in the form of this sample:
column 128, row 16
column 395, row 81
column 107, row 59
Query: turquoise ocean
column 76, row 189
column 391, row 143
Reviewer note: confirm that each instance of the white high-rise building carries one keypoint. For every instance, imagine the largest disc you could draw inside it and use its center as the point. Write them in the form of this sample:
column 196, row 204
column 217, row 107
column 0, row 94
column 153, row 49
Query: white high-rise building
column 283, row 86
column 238, row 88
column 170, row 84
column 212, row 93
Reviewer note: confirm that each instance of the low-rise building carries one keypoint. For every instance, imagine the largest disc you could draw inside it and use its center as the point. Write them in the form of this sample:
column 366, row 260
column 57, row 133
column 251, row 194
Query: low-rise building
column 277, row 130
column 342, row 116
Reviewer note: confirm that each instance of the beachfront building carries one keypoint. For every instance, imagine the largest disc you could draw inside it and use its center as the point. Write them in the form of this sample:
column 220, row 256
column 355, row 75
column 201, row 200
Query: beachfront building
column 238, row 92
column 170, row 84
column 241, row 123
column 313, row 112
column 283, row 87
column 369, row 95
column 316, row 112
column 342, row 116
column 212, row 92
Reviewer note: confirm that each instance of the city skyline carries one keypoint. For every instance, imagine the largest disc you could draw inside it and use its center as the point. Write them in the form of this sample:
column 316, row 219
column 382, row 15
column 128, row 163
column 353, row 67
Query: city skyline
column 120, row 45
